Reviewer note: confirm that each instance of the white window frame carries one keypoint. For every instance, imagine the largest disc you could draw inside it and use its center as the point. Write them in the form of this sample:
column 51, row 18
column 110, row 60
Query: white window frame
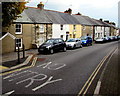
column 18, row 28
column 84, row 27
column 21, row 43
column 41, row 28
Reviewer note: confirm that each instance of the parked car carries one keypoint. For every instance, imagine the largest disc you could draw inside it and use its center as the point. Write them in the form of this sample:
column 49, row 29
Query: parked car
column 107, row 39
column 74, row 43
column 86, row 40
column 52, row 45
column 100, row 40
column 112, row 38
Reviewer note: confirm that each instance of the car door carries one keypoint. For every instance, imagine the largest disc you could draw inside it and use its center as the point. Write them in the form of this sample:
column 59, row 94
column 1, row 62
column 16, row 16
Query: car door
column 77, row 43
column 61, row 44
column 56, row 44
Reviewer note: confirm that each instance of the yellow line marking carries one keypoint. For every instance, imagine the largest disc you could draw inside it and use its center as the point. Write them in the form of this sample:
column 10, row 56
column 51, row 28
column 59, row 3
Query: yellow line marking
column 94, row 74
column 3, row 67
column 98, row 85
column 32, row 65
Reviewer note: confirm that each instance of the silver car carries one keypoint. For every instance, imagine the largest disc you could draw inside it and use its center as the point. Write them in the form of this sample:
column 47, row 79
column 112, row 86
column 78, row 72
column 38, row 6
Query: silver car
column 73, row 43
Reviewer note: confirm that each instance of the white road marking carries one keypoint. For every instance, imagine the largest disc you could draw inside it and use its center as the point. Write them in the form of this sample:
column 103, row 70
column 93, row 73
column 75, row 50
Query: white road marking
column 52, row 66
column 32, row 79
column 12, row 75
column 58, row 66
column 23, row 76
column 97, row 88
column 45, row 64
column 45, row 76
column 47, row 82
column 8, row 93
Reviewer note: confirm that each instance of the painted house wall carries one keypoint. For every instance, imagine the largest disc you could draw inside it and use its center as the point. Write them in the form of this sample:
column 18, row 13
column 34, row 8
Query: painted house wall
column 75, row 33
column 58, row 33
column 107, row 31
column 8, row 45
column 87, row 30
column 99, row 31
column 26, row 35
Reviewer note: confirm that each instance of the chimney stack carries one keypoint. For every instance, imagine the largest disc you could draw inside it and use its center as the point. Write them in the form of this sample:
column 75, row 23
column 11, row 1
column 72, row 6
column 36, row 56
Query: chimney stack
column 41, row 5
column 69, row 11
column 107, row 21
column 78, row 13
column 101, row 19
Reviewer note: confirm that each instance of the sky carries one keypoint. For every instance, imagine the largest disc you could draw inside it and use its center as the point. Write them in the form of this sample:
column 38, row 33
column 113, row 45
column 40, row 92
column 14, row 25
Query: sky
column 105, row 9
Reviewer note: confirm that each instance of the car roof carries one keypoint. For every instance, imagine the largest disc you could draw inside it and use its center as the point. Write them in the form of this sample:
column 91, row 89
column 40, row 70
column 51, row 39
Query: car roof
column 55, row 38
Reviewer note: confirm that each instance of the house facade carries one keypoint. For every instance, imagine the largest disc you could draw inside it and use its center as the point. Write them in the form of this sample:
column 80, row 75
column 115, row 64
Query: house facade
column 38, row 24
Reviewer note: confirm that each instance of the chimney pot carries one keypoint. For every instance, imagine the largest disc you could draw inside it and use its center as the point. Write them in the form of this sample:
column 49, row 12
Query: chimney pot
column 41, row 5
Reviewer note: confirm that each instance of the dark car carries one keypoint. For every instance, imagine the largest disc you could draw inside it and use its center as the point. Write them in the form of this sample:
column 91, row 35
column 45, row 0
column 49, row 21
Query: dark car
column 86, row 40
column 52, row 45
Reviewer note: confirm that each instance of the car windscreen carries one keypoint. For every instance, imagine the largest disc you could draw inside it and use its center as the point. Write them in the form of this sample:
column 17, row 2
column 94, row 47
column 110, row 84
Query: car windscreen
column 49, row 41
column 71, row 40
column 83, row 38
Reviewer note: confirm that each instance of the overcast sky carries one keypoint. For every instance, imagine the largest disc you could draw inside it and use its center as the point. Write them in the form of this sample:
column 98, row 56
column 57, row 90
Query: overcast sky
column 106, row 9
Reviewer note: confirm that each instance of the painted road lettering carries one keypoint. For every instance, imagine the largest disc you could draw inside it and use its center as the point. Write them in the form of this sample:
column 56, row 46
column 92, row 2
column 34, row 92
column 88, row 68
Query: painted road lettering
column 49, row 81
column 52, row 66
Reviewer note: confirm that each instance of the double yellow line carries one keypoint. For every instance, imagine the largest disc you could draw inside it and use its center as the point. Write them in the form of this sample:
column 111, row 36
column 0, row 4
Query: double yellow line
column 86, row 86
column 32, row 65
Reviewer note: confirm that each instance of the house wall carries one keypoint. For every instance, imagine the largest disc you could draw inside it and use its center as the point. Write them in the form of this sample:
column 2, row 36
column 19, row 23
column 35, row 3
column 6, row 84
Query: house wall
column 8, row 45
column 26, row 36
column 58, row 33
column 107, row 31
column 87, row 30
column 112, row 33
column 75, row 33
column 99, row 31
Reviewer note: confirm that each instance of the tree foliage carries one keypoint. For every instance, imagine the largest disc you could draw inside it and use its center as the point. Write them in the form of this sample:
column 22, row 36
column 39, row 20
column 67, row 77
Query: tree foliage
column 11, row 11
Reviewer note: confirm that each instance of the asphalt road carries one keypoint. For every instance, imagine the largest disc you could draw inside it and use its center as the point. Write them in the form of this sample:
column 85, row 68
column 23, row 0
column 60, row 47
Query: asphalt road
column 59, row 73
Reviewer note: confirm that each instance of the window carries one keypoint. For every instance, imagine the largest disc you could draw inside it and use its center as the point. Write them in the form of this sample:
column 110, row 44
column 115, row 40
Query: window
column 18, row 29
column 18, row 43
column 41, row 28
column 74, row 27
column 61, row 26
column 61, row 36
column 84, row 27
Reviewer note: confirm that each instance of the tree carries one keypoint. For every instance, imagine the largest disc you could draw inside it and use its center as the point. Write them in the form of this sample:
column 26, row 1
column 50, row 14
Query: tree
column 11, row 11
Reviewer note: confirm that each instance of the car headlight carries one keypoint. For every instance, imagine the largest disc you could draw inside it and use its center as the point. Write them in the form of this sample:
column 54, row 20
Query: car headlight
column 48, row 46
column 84, row 42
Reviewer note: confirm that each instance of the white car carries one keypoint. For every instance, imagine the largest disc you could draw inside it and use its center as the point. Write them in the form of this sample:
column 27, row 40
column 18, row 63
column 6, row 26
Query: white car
column 73, row 43
column 100, row 40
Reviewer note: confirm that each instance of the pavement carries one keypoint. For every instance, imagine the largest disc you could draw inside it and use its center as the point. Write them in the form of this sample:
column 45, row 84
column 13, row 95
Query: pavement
column 10, row 60
column 108, row 82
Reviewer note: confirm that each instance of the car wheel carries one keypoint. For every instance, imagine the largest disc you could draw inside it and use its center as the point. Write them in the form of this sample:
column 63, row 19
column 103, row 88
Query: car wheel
column 51, row 51
column 64, row 49
column 81, row 46
column 74, row 46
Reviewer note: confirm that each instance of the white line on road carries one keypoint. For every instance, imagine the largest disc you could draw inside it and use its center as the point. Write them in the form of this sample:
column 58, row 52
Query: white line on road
column 8, row 93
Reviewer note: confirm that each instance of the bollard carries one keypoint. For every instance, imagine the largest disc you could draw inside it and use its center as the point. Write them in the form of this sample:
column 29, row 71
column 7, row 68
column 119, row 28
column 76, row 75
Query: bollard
column 23, row 51
column 18, row 54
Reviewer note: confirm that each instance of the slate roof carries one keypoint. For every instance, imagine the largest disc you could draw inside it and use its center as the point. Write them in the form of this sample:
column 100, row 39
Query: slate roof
column 38, row 16
column 54, row 17
column 23, row 19
column 82, row 20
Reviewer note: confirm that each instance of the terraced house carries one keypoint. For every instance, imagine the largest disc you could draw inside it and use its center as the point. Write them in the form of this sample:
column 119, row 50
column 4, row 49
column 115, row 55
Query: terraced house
column 38, row 24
